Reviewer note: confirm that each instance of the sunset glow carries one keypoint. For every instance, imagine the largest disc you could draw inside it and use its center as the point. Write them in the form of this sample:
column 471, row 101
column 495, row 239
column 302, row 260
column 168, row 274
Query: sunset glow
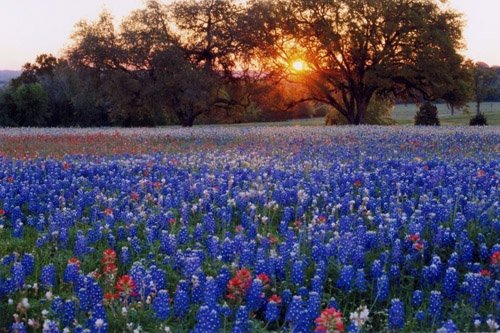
column 299, row 65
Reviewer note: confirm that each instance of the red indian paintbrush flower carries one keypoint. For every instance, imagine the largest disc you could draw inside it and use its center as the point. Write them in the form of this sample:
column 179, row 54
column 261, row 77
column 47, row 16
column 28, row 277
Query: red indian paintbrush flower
column 237, row 287
column 108, row 256
column 485, row 272
column 109, row 269
column 125, row 286
column 329, row 321
column 275, row 298
column 413, row 238
column 264, row 278
column 110, row 296
column 74, row 261
column 495, row 258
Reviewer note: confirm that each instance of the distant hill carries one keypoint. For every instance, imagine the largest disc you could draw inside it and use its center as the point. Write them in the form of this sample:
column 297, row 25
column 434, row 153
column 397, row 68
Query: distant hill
column 7, row 75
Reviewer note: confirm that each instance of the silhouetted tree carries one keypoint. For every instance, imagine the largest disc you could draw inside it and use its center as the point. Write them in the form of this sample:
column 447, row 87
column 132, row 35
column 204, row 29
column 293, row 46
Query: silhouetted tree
column 31, row 105
column 358, row 49
column 484, row 79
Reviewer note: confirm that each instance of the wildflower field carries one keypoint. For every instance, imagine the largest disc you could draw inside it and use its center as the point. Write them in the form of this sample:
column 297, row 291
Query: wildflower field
column 250, row 229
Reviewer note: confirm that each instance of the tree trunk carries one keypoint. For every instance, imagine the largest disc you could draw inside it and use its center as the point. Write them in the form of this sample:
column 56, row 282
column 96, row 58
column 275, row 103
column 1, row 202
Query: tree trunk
column 362, row 107
column 187, row 121
column 478, row 107
column 452, row 110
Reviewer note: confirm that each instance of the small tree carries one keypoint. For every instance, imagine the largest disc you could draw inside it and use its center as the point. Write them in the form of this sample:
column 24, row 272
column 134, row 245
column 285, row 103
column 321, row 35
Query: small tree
column 7, row 108
column 478, row 120
column 427, row 115
column 484, row 80
column 31, row 105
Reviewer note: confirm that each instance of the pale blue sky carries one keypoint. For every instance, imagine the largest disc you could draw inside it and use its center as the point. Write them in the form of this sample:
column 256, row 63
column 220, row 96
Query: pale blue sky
column 31, row 27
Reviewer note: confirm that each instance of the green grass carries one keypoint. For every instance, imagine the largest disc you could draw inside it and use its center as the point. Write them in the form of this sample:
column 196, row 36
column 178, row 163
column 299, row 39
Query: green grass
column 404, row 114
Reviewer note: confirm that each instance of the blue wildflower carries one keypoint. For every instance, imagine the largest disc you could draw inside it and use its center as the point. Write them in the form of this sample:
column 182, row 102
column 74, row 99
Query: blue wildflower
column 161, row 305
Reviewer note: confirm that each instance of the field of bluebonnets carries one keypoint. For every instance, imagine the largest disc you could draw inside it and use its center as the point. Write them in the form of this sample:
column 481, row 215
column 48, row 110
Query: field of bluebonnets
column 214, row 229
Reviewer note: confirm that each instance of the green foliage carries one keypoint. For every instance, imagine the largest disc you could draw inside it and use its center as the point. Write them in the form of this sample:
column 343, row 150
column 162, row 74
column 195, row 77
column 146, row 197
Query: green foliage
column 484, row 79
column 479, row 120
column 427, row 115
column 31, row 105
column 8, row 108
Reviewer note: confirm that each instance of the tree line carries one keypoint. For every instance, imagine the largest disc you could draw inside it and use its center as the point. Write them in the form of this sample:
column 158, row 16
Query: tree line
column 221, row 61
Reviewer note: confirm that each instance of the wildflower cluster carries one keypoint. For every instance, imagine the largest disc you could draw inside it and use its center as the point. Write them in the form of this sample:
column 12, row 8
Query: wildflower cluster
column 246, row 229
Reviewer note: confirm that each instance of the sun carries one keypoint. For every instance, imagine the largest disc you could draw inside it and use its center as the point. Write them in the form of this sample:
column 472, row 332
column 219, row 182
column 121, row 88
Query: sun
column 298, row 65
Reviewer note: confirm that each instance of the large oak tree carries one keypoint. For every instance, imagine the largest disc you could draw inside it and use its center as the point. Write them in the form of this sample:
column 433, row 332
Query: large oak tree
column 359, row 49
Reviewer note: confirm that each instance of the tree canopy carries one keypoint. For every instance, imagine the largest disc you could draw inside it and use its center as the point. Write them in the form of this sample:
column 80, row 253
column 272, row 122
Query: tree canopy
column 357, row 49
column 218, row 59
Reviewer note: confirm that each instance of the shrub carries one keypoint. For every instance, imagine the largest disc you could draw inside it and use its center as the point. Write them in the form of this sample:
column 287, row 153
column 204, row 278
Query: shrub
column 427, row 115
column 478, row 120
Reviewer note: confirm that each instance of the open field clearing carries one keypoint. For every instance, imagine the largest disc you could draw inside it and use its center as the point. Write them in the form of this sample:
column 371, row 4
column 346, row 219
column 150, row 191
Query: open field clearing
column 405, row 115
column 250, row 229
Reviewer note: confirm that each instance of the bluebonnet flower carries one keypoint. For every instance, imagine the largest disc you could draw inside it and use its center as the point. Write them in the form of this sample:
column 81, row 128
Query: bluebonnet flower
column 312, row 307
column 303, row 292
column 254, row 298
column 48, row 276
column 125, row 255
column 18, row 276
column 286, row 297
column 394, row 273
column 317, row 284
column 360, row 280
column 345, row 281
column 298, row 271
column 183, row 235
column 50, row 326
column 417, row 298
column 376, row 269
column 333, row 303
column 159, row 277
column 450, row 283
column 57, row 306
column 396, row 315
column 448, row 327
column 272, row 309
column 181, row 299
column 95, row 293
column 420, row 316
column 241, row 324
column 18, row 327
column 294, row 311
column 211, row 292
column 68, row 313
column 81, row 247
column 382, row 288
column 207, row 320
column 84, row 299
column 98, row 322
column 435, row 305
column 28, row 262
column 71, row 273
column 228, row 250
column 474, row 287
column 161, row 305
column 225, row 310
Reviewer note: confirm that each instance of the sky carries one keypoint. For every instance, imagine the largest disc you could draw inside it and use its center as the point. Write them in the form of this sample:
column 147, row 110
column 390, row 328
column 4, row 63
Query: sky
column 32, row 27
